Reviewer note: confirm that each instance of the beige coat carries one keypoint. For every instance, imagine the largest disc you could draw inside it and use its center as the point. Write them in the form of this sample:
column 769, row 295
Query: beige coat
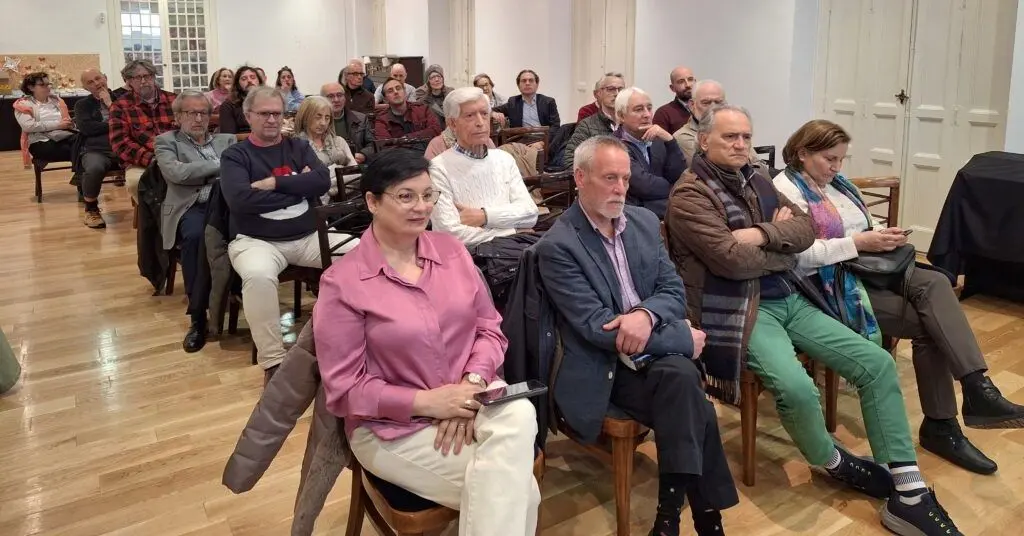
column 289, row 393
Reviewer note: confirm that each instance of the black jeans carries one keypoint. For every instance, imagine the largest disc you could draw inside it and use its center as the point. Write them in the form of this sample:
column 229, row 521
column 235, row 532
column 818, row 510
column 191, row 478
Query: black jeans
column 52, row 151
column 191, row 232
column 668, row 397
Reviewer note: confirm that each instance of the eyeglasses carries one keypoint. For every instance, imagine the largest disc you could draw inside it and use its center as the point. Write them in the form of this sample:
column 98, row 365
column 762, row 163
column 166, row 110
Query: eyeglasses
column 333, row 96
column 408, row 198
column 710, row 102
column 267, row 115
column 356, row 74
column 612, row 89
column 144, row 78
column 195, row 116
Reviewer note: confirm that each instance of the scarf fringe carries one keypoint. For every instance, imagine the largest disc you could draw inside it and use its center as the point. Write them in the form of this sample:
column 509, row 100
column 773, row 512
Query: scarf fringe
column 727, row 391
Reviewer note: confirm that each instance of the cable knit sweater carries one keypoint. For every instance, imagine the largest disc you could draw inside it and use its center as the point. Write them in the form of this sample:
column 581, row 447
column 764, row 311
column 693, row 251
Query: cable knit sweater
column 492, row 183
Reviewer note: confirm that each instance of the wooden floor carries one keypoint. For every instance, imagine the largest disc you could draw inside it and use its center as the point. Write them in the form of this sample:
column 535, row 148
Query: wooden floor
column 115, row 430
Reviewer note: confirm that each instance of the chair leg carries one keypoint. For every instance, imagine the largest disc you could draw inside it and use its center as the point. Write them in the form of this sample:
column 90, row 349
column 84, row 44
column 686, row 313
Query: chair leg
column 135, row 215
column 748, row 425
column 831, row 399
column 233, row 311
column 172, row 271
column 297, row 307
column 622, row 467
column 254, row 360
column 356, row 506
column 39, row 183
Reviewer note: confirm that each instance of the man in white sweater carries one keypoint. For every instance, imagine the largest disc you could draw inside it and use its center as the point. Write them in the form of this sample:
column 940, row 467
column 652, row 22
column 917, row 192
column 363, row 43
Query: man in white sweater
column 482, row 192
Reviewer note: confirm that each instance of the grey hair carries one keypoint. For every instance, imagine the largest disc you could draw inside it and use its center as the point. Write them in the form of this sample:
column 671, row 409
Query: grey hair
column 583, row 156
column 708, row 121
column 260, row 92
column 459, row 96
column 129, row 68
column 597, row 85
column 707, row 83
column 622, row 101
column 179, row 101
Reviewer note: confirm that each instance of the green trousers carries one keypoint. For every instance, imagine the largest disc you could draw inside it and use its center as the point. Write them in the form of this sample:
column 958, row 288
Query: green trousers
column 783, row 323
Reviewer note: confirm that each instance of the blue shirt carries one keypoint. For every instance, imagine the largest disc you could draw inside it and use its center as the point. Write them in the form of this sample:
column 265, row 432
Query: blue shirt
column 530, row 116
column 644, row 146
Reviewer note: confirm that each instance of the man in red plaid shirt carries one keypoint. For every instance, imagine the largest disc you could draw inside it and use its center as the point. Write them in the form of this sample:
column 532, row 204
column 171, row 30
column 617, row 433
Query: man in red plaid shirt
column 137, row 118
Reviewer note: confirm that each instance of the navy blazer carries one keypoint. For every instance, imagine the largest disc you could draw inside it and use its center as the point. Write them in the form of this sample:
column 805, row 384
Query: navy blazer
column 650, row 183
column 580, row 280
column 547, row 111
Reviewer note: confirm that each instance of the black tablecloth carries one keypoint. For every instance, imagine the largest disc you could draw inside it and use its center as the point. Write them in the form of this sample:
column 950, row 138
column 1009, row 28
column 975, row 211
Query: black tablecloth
column 10, row 132
column 981, row 230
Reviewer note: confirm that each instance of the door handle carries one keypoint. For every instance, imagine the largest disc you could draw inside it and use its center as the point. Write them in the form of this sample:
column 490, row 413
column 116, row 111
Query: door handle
column 902, row 96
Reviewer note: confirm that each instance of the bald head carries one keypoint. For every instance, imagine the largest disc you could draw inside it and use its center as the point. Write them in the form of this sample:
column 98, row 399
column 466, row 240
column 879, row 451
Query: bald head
column 94, row 82
column 333, row 92
column 681, row 81
column 706, row 93
column 398, row 72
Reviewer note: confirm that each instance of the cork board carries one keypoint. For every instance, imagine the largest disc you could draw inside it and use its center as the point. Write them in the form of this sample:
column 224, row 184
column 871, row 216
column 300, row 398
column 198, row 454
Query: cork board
column 65, row 70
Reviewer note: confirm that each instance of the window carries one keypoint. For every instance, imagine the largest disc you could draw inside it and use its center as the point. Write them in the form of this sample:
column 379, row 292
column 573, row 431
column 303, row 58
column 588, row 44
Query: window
column 173, row 34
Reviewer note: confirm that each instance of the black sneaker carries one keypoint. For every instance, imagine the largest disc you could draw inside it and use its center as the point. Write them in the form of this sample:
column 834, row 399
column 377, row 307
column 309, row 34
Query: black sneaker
column 708, row 523
column 926, row 517
column 985, row 407
column 862, row 475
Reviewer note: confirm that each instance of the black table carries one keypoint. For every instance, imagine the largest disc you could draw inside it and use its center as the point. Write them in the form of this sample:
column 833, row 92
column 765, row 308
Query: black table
column 981, row 230
column 10, row 132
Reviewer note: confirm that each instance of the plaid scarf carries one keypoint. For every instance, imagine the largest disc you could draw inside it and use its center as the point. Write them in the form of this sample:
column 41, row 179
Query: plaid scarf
column 726, row 302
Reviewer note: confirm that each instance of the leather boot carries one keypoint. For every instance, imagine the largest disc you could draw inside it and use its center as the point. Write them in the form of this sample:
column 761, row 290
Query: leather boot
column 985, row 407
column 945, row 439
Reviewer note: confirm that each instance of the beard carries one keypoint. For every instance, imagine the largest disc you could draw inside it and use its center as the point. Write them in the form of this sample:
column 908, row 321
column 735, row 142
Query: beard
column 685, row 95
column 610, row 211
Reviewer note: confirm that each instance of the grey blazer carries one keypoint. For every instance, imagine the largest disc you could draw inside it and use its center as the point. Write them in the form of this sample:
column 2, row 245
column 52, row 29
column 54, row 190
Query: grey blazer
column 185, row 171
column 580, row 281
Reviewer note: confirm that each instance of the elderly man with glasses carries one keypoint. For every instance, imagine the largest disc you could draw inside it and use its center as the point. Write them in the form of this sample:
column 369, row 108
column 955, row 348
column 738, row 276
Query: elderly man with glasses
column 357, row 96
column 601, row 123
column 137, row 118
column 354, row 126
column 189, row 160
column 271, row 185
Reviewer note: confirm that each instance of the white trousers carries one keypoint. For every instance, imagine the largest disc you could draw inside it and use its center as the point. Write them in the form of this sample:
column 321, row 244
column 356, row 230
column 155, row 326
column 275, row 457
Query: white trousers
column 132, row 176
column 258, row 263
column 490, row 482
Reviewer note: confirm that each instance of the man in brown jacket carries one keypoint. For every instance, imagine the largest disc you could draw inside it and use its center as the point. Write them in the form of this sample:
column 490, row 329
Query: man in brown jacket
column 734, row 238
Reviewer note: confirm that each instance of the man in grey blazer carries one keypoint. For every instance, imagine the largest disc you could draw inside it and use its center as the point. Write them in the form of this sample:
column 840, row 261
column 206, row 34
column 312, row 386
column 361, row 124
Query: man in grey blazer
column 189, row 160
column 618, row 297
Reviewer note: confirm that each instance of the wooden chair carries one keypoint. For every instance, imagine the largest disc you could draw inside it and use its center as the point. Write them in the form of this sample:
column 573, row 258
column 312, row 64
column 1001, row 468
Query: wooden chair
column 395, row 511
column 173, row 257
column 39, row 167
column 891, row 218
column 405, row 141
column 350, row 189
column 557, row 193
column 526, row 135
column 769, row 154
column 349, row 218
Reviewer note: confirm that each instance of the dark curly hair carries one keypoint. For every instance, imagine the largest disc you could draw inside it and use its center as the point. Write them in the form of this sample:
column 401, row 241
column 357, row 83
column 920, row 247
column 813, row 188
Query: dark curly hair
column 31, row 80
column 237, row 95
column 286, row 69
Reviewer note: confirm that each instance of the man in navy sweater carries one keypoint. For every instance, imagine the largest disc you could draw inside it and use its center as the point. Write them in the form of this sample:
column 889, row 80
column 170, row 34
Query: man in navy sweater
column 271, row 185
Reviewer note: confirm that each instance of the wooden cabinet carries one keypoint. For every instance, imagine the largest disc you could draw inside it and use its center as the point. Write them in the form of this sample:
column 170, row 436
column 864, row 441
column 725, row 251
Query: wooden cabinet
column 379, row 72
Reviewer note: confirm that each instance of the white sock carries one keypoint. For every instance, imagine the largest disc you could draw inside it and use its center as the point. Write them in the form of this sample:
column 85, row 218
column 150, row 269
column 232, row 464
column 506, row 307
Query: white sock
column 833, row 462
column 909, row 483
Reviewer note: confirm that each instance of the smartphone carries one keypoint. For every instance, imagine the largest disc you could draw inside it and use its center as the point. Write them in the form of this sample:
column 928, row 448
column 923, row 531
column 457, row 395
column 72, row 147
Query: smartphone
column 508, row 393
column 906, row 232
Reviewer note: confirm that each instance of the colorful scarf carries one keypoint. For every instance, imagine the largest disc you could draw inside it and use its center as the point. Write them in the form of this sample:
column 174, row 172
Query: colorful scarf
column 841, row 289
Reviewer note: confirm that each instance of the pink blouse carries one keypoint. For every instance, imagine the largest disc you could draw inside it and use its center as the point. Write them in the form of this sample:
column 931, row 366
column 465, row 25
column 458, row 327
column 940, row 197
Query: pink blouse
column 380, row 339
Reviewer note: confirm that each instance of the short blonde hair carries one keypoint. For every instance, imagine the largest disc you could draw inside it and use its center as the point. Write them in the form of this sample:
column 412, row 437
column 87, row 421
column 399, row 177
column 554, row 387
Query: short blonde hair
column 308, row 109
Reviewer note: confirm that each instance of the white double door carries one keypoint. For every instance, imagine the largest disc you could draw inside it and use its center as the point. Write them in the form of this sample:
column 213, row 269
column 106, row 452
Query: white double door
column 921, row 86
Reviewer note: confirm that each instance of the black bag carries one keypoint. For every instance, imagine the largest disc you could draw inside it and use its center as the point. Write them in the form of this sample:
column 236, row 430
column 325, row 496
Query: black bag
column 885, row 270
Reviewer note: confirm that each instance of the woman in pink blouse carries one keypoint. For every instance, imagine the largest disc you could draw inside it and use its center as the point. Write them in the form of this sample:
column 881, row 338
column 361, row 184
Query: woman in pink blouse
column 406, row 334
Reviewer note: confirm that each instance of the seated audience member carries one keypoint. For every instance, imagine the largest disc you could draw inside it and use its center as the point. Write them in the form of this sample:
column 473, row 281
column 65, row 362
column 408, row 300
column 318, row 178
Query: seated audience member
column 92, row 114
column 656, row 162
column 399, row 73
column 943, row 343
column 315, row 123
column 524, row 155
column 529, row 108
column 433, row 92
column 483, row 196
column 220, row 86
column 404, row 119
column 484, row 82
column 232, row 117
column 357, row 97
column 137, row 118
column 271, row 185
column 614, row 305
column 44, row 118
column 588, row 110
column 292, row 96
column 189, row 160
column 405, row 390
column 707, row 93
column 263, row 75
column 601, row 123
column 351, row 125
column 673, row 115
column 446, row 141
column 735, row 240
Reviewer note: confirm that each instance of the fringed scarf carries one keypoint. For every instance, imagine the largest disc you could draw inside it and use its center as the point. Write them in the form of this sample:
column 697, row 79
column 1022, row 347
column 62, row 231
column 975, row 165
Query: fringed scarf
column 841, row 289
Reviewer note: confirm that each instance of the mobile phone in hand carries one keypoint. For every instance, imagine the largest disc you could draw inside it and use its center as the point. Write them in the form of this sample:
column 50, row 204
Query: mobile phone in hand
column 906, row 232
column 508, row 393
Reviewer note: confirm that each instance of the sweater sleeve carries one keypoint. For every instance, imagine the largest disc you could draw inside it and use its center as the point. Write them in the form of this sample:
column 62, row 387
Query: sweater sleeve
column 312, row 183
column 520, row 212
column 445, row 217
column 237, row 187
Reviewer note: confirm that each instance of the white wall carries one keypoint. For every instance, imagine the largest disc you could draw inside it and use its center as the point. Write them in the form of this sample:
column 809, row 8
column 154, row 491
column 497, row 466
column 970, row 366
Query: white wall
column 312, row 37
column 514, row 35
column 761, row 52
column 73, row 27
column 407, row 27
column 440, row 45
column 1015, row 112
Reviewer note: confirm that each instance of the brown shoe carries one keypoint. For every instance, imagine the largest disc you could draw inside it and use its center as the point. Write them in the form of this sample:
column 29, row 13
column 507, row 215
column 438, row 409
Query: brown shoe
column 94, row 220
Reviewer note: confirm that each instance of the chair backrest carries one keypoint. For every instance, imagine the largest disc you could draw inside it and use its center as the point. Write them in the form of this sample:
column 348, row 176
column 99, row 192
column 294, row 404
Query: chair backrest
column 404, row 141
column 527, row 135
column 555, row 191
column 348, row 184
column 769, row 152
column 348, row 218
column 891, row 218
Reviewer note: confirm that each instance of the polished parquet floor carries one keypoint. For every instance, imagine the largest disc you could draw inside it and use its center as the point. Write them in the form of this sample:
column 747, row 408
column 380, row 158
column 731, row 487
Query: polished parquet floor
column 114, row 430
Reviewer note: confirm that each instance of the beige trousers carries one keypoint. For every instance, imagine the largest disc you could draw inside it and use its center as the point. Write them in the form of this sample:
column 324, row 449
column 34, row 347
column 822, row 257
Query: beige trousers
column 258, row 263
column 132, row 176
column 490, row 482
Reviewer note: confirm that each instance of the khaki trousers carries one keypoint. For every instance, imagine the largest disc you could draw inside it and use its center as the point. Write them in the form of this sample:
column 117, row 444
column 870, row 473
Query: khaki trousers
column 132, row 176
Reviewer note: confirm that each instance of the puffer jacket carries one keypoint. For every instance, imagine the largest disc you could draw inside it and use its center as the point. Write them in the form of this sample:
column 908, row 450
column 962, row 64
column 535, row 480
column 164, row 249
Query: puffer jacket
column 285, row 398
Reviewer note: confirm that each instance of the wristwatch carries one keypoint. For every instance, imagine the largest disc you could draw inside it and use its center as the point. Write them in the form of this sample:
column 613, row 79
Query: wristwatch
column 473, row 377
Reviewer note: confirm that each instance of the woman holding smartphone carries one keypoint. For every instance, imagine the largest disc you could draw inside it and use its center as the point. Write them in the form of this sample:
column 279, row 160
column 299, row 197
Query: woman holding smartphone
column 406, row 335
column 929, row 313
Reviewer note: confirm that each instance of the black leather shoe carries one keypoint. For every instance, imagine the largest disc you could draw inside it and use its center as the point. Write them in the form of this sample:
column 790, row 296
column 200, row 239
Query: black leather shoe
column 944, row 439
column 195, row 339
column 862, row 475
column 985, row 407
